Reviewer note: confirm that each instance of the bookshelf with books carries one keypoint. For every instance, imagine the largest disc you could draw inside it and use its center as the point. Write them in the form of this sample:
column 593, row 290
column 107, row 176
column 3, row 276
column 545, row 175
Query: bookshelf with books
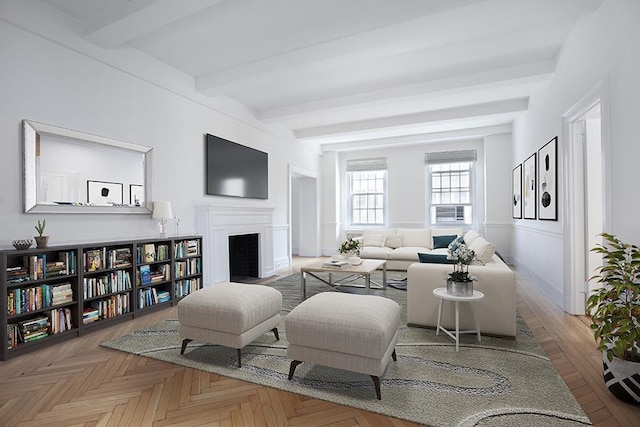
column 61, row 292
column 40, row 302
column 153, row 274
column 187, row 266
column 106, row 282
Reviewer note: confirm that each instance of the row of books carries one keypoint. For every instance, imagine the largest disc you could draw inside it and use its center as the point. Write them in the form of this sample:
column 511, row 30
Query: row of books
column 37, row 267
column 99, row 259
column 187, row 267
column 106, row 308
column 151, row 252
column 27, row 331
column 116, row 281
column 187, row 248
column 151, row 296
column 158, row 274
column 60, row 319
column 24, row 300
column 187, row 286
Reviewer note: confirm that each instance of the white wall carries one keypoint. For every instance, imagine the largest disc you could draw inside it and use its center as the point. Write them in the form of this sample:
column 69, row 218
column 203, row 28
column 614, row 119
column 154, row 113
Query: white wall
column 602, row 47
column 407, row 187
column 74, row 88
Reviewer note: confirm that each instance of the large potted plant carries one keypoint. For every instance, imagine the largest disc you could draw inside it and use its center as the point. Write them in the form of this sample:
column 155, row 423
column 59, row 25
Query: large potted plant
column 614, row 310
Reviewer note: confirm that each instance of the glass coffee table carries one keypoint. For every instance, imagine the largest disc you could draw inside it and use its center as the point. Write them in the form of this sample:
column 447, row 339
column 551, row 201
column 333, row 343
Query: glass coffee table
column 352, row 272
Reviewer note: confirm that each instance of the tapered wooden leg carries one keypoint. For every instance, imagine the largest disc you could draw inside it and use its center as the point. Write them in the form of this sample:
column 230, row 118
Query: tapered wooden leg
column 376, row 382
column 275, row 332
column 239, row 358
column 393, row 355
column 184, row 345
column 292, row 367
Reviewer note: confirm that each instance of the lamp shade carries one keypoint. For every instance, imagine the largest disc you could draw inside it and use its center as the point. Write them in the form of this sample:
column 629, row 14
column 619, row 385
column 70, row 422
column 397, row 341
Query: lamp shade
column 162, row 210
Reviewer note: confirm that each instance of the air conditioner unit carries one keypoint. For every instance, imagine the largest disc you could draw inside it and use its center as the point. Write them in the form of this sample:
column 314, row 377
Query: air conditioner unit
column 450, row 213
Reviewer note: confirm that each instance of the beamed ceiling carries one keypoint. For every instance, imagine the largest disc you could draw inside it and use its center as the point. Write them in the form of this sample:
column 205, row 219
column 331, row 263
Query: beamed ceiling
column 344, row 73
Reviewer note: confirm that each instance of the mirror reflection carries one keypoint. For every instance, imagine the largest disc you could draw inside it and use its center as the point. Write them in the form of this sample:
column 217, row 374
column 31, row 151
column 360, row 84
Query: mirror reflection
column 71, row 171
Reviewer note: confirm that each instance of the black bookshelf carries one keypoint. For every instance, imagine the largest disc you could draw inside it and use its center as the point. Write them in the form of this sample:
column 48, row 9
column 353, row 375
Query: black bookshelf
column 60, row 292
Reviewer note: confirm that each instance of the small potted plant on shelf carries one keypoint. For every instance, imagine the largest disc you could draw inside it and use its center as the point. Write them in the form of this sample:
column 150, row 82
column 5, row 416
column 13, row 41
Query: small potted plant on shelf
column 614, row 311
column 41, row 241
column 460, row 282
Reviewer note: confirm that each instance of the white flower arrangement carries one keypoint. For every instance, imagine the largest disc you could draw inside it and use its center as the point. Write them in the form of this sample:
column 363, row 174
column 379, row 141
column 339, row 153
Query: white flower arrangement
column 350, row 246
column 462, row 256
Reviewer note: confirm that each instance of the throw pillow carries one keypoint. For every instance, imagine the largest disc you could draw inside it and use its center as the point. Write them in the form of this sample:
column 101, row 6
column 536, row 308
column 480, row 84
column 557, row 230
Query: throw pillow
column 455, row 244
column 483, row 249
column 434, row 259
column 443, row 241
column 393, row 241
column 470, row 236
column 373, row 240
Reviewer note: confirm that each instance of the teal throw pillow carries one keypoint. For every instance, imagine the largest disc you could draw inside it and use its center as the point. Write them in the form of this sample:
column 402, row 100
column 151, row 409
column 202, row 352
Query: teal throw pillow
column 434, row 258
column 443, row 241
column 455, row 244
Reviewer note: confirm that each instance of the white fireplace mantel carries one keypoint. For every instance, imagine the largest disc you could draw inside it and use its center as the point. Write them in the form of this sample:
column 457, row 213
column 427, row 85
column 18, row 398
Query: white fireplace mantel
column 217, row 223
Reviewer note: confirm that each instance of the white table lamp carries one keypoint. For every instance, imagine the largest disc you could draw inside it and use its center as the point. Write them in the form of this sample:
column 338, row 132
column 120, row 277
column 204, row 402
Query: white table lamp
column 162, row 212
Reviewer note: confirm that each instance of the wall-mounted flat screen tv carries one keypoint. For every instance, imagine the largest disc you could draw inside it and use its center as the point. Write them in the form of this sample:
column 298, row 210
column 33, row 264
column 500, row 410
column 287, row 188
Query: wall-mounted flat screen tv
column 235, row 170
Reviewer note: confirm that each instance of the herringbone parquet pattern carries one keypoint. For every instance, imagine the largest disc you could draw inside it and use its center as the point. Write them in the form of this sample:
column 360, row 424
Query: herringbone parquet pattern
column 77, row 382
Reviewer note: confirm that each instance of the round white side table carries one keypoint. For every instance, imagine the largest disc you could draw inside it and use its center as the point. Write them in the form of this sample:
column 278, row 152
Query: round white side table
column 442, row 294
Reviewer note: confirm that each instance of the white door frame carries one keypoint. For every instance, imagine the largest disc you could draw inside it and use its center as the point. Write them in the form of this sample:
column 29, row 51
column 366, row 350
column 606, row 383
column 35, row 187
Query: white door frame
column 308, row 222
column 573, row 203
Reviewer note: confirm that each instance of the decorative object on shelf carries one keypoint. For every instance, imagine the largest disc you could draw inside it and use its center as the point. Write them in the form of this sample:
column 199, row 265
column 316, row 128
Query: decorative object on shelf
column 614, row 310
column 41, row 241
column 350, row 246
column 22, row 244
column 459, row 282
column 548, row 176
column 162, row 212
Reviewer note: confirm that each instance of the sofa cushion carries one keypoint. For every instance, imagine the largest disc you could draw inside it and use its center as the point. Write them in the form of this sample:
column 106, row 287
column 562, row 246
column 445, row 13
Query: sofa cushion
column 409, row 253
column 470, row 236
column 434, row 258
column 394, row 241
column 420, row 237
column 373, row 240
column 375, row 252
column 443, row 241
column 483, row 249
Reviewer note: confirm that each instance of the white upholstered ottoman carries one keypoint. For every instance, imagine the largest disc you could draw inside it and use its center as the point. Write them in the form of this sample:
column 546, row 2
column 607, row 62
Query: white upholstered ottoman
column 229, row 314
column 352, row 332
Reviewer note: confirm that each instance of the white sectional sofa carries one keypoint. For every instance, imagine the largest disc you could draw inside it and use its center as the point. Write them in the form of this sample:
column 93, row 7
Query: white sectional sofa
column 400, row 246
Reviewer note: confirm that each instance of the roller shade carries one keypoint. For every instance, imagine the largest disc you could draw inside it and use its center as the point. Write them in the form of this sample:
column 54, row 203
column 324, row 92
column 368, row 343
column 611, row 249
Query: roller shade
column 450, row 157
column 367, row 164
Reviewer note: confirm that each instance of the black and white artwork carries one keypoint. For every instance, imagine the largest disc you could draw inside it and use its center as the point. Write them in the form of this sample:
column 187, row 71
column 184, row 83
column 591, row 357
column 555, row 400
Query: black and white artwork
column 136, row 194
column 516, row 185
column 548, row 181
column 102, row 193
column 529, row 187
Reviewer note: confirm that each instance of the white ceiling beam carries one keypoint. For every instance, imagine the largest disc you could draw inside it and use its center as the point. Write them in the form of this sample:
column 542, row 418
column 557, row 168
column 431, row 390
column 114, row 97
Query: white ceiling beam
column 417, row 119
column 115, row 26
column 466, row 23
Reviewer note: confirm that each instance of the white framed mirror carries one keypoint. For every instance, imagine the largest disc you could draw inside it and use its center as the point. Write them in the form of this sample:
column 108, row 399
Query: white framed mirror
column 67, row 171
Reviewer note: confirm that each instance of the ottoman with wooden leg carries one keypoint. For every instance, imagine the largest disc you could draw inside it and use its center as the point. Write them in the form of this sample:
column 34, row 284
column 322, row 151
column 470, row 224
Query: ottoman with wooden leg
column 352, row 332
column 229, row 314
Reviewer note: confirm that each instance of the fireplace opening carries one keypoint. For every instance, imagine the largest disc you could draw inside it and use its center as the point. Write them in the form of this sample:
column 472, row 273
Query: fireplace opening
column 243, row 257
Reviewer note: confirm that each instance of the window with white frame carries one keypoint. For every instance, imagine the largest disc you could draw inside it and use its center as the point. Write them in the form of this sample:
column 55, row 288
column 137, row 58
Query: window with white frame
column 451, row 183
column 367, row 180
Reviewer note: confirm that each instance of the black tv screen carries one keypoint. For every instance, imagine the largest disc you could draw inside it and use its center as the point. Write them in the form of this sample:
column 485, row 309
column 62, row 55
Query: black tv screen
column 235, row 170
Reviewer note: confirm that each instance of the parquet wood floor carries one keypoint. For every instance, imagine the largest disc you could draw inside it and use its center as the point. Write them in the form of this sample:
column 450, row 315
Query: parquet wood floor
column 79, row 383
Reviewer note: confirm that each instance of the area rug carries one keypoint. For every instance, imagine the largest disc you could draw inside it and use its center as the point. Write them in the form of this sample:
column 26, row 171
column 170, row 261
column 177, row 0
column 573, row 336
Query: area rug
column 495, row 382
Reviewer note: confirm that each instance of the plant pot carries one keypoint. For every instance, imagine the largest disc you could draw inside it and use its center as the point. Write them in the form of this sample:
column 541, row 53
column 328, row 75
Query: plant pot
column 621, row 378
column 460, row 289
column 42, row 241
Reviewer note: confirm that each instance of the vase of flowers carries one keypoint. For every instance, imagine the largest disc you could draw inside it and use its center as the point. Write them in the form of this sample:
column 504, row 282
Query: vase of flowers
column 350, row 250
column 459, row 282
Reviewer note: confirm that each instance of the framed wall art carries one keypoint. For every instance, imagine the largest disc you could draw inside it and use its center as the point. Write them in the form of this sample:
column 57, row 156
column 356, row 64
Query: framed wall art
column 529, row 199
column 516, row 185
column 548, row 181
column 104, row 193
column 136, row 194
